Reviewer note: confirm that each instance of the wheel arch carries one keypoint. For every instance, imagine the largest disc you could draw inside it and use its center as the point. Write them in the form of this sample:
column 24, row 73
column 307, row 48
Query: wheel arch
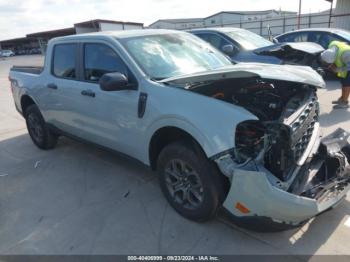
column 26, row 101
column 165, row 136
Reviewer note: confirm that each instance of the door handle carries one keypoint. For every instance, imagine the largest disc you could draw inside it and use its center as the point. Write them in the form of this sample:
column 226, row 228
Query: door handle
column 51, row 86
column 88, row 93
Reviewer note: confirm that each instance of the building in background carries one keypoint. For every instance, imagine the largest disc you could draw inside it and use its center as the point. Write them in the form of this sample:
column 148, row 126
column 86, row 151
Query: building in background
column 267, row 23
column 227, row 17
column 37, row 42
column 342, row 14
column 218, row 19
column 19, row 45
column 41, row 38
column 99, row 25
column 179, row 24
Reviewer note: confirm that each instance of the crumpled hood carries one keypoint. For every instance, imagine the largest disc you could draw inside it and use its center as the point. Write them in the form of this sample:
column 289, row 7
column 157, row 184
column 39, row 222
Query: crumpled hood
column 307, row 47
column 292, row 73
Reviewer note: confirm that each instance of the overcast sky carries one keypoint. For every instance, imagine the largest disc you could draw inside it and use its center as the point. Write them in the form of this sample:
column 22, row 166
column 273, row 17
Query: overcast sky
column 20, row 17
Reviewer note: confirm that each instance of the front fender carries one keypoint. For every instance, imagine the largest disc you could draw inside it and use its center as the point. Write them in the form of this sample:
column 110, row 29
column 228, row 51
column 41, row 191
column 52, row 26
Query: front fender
column 212, row 138
column 209, row 121
column 183, row 124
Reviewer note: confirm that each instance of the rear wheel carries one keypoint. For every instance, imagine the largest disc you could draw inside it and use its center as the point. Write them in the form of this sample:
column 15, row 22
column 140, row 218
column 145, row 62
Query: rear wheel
column 38, row 130
column 190, row 182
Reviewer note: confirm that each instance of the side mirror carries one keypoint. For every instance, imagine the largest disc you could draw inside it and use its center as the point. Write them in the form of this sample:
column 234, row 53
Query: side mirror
column 114, row 82
column 275, row 41
column 229, row 49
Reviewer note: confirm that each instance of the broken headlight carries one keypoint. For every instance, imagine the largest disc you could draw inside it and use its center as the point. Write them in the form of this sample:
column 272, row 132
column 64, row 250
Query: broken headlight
column 249, row 140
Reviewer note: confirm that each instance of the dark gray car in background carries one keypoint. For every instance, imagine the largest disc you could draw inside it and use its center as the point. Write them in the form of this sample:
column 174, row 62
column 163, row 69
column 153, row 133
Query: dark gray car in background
column 245, row 46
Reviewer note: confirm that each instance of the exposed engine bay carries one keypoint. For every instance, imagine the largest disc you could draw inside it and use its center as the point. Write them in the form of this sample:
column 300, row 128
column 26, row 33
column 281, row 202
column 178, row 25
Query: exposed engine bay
column 275, row 161
column 288, row 115
column 268, row 100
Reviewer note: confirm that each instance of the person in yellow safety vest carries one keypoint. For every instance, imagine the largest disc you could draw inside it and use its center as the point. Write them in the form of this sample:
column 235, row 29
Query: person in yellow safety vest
column 338, row 56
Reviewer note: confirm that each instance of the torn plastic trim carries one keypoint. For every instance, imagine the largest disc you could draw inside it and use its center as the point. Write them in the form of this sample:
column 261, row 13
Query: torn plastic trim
column 227, row 164
column 254, row 190
column 229, row 167
column 264, row 196
column 336, row 140
column 306, row 47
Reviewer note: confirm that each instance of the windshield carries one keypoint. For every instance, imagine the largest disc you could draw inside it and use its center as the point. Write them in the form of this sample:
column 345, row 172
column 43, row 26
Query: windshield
column 168, row 55
column 248, row 40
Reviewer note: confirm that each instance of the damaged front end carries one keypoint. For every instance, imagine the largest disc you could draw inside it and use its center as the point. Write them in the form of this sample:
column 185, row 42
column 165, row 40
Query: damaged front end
column 280, row 170
column 299, row 53
column 317, row 181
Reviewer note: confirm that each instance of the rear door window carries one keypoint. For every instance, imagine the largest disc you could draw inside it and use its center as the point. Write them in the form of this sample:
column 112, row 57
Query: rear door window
column 64, row 61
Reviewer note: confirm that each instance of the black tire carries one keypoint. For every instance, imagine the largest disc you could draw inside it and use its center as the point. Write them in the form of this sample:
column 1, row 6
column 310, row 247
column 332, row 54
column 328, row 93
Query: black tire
column 202, row 205
column 38, row 131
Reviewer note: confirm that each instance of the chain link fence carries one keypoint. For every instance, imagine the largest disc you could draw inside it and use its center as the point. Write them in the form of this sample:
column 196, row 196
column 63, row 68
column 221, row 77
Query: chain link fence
column 279, row 25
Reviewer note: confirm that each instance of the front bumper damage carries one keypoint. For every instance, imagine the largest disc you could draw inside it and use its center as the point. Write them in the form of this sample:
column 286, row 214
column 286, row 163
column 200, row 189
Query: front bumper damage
column 319, row 183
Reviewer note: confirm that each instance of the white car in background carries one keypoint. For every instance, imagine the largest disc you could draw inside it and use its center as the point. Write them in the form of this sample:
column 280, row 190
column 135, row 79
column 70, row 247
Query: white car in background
column 6, row 53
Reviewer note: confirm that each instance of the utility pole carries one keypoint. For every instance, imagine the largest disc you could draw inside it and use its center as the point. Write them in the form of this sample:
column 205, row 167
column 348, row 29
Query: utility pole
column 299, row 14
column 330, row 14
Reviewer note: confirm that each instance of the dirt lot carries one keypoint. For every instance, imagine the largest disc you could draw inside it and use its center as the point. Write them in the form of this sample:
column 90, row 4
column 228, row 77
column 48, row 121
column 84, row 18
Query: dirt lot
column 77, row 199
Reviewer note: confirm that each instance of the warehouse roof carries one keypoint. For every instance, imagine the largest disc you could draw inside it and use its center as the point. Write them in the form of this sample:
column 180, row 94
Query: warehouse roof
column 54, row 33
column 179, row 20
column 15, row 40
column 93, row 23
column 254, row 12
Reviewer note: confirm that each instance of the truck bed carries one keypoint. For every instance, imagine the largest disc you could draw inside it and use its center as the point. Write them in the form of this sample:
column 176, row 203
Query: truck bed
column 36, row 70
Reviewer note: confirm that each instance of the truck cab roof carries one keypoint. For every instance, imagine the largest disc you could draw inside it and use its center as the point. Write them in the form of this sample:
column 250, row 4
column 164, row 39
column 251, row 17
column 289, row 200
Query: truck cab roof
column 117, row 34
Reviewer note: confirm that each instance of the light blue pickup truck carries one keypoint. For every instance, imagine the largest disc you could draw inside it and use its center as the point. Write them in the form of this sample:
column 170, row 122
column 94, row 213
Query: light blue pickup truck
column 243, row 137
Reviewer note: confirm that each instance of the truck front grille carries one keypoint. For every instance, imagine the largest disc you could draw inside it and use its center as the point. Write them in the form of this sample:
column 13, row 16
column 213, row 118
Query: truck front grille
column 292, row 140
column 303, row 128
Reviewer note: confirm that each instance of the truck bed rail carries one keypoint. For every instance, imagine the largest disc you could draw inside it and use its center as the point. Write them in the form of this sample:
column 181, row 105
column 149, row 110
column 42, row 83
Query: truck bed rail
column 28, row 69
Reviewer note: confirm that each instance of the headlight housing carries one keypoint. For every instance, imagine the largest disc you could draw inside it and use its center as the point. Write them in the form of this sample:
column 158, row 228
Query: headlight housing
column 249, row 140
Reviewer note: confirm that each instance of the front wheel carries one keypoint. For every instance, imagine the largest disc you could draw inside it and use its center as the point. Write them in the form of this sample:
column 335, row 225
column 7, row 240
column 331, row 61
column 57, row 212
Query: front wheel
column 190, row 182
column 38, row 130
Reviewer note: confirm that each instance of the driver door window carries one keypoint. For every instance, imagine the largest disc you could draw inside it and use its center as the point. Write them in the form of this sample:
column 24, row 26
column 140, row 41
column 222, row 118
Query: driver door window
column 100, row 59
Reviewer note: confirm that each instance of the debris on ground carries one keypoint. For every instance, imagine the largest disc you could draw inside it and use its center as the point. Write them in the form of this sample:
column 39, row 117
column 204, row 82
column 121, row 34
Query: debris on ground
column 126, row 194
column 37, row 163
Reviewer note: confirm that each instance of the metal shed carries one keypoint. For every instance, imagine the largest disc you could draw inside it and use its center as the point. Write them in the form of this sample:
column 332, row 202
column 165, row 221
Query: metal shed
column 342, row 14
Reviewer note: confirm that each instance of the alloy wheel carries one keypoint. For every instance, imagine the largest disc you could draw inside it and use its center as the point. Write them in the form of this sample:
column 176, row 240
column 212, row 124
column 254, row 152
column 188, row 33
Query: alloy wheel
column 183, row 184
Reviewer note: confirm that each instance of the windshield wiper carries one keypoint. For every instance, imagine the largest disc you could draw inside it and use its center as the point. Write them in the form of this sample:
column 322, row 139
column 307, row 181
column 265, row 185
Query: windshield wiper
column 156, row 79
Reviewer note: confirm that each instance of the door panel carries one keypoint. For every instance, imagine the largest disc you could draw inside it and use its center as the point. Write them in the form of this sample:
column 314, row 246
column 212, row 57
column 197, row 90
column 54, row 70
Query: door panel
column 63, row 89
column 108, row 118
